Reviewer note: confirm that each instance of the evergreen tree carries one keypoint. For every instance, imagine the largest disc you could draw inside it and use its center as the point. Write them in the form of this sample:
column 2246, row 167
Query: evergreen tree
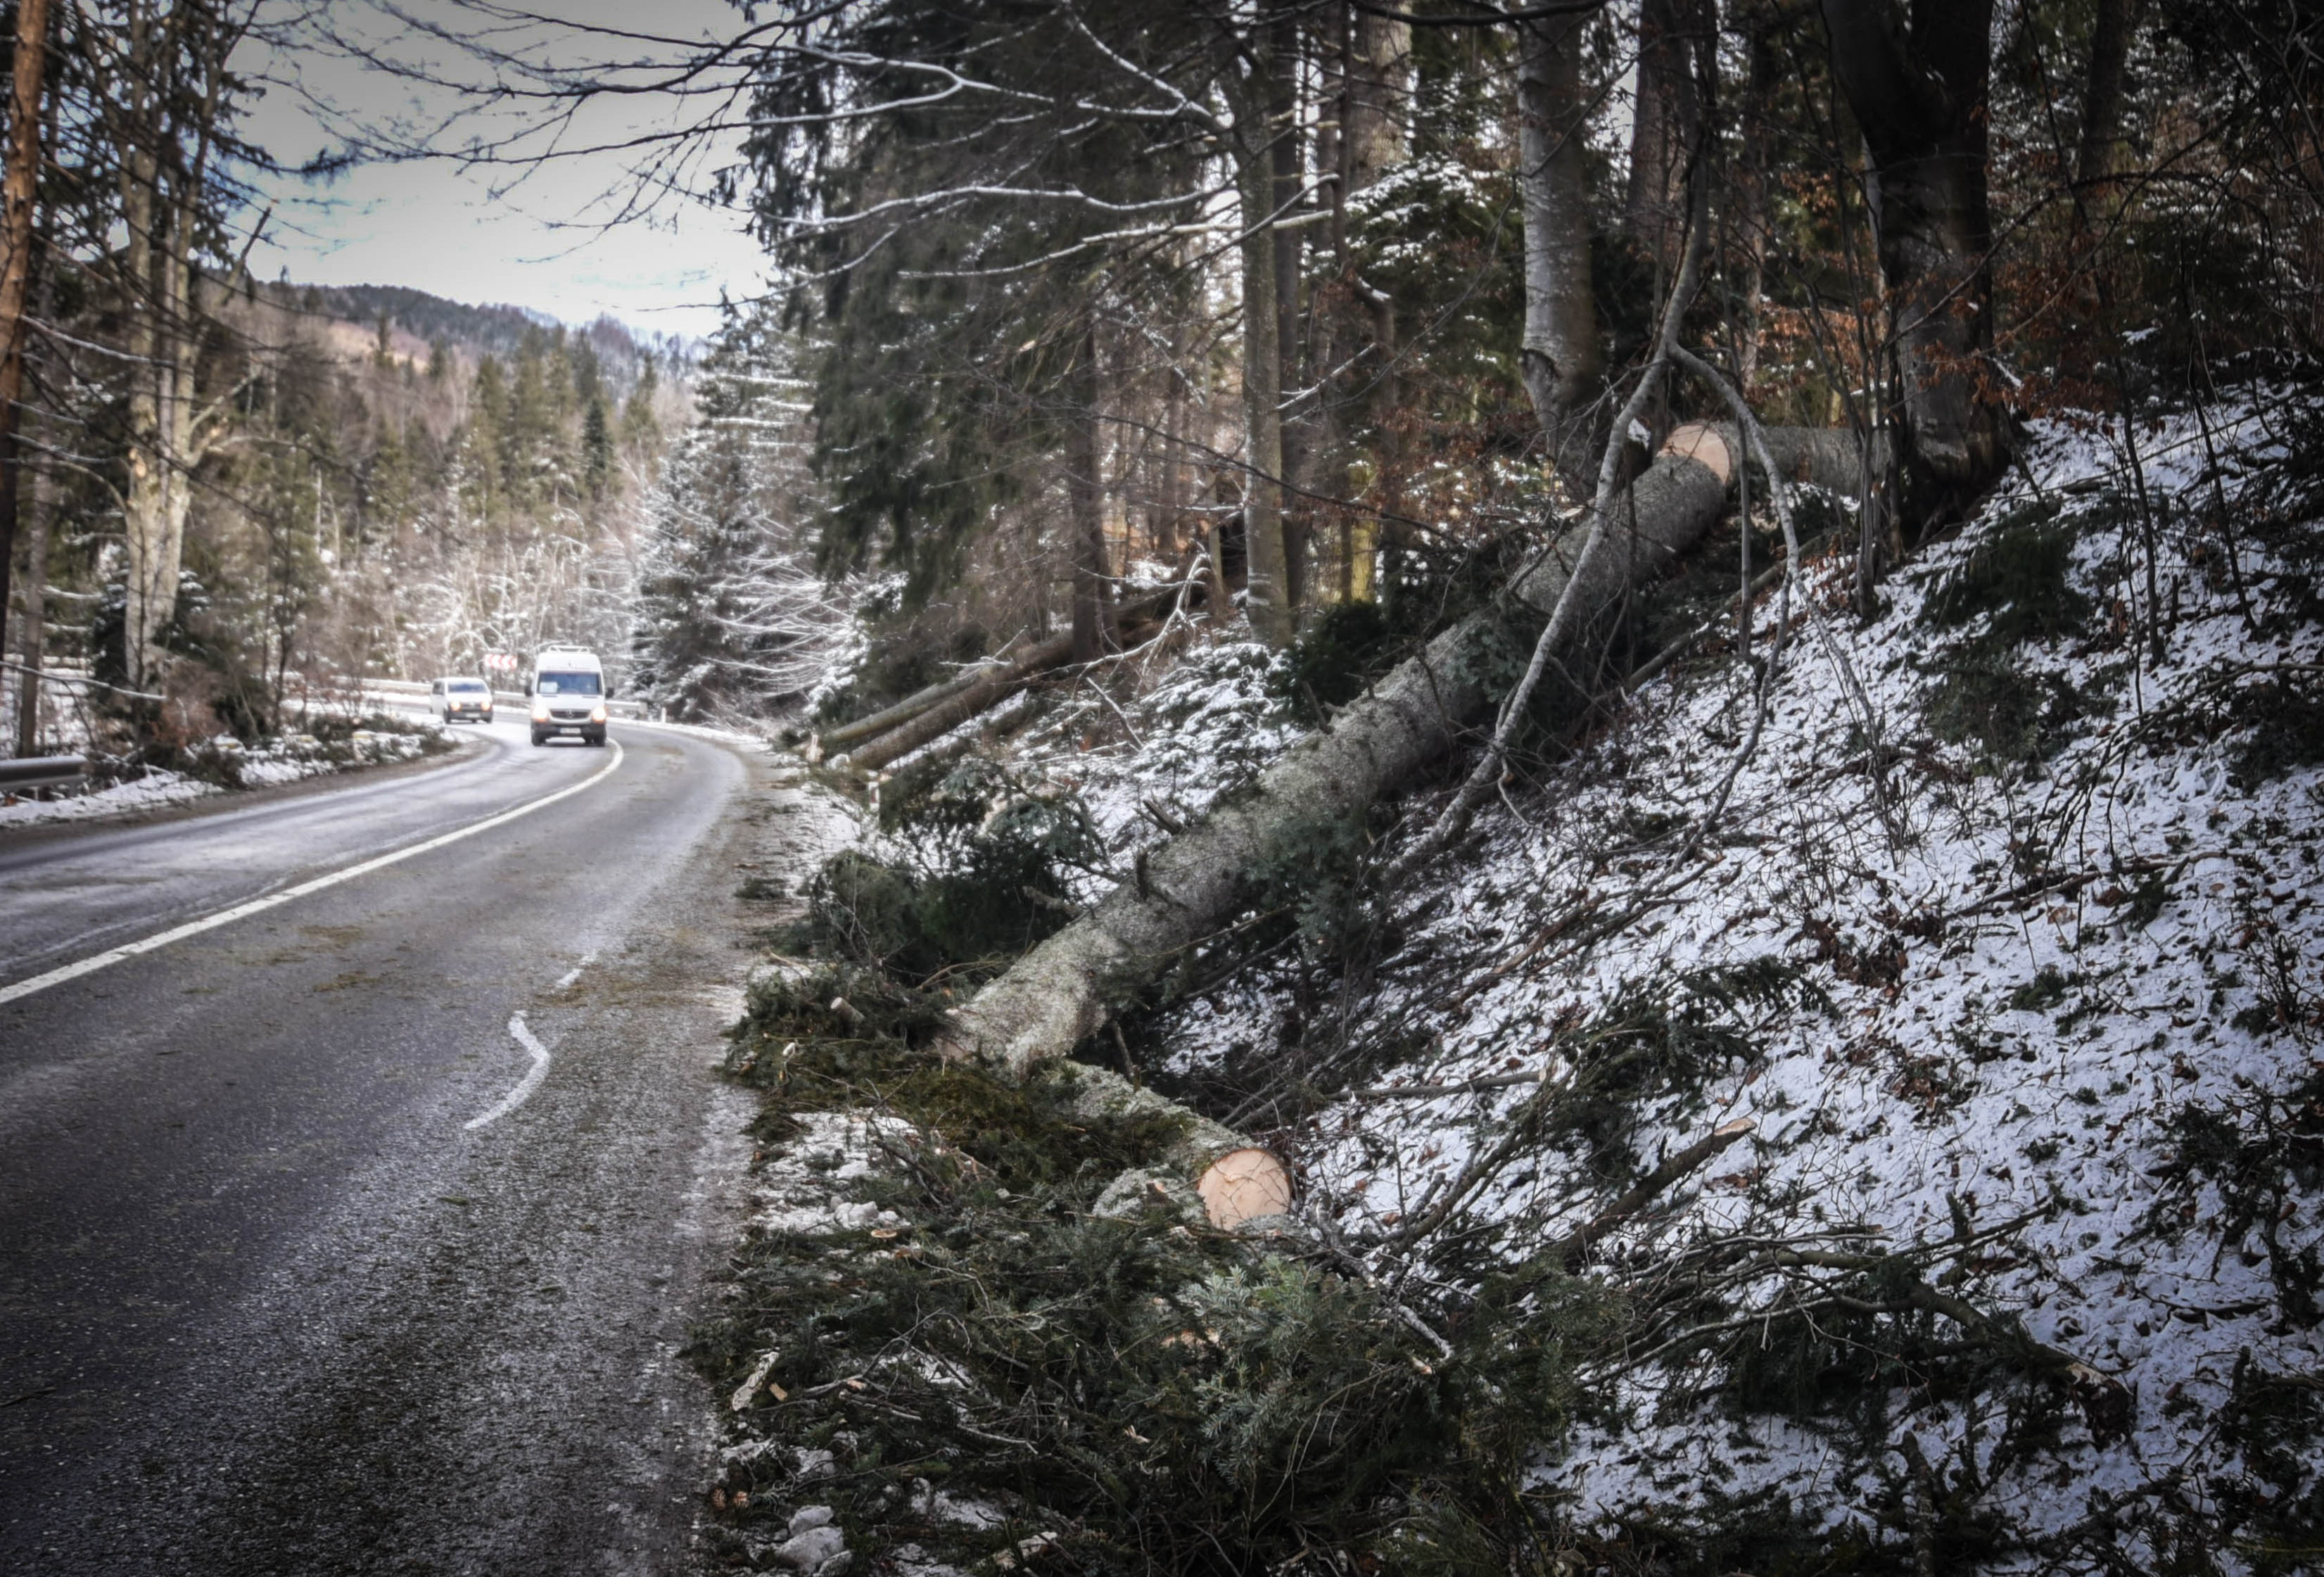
column 641, row 428
column 596, row 448
column 731, row 617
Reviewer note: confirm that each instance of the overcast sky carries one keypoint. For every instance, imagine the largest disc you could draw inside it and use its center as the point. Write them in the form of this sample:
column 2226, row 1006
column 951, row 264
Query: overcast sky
column 543, row 242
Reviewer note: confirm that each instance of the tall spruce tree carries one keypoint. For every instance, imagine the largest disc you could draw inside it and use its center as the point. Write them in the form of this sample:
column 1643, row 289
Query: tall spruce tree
column 731, row 618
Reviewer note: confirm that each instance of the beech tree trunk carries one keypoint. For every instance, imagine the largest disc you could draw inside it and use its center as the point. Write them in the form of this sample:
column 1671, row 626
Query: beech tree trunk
column 33, row 647
column 171, row 91
column 1066, row 989
column 1750, row 207
column 1169, row 516
column 1559, row 359
column 1918, row 90
column 1286, row 149
column 1379, row 97
column 1375, row 106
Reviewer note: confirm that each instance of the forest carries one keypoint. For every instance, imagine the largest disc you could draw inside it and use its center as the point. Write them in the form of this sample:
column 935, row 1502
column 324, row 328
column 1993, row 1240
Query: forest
column 1572, row 746
column 229, row 500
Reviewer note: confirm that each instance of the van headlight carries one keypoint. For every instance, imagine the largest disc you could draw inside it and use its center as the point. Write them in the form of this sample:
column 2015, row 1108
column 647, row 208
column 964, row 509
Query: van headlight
column 540, row 711
column 597, row 713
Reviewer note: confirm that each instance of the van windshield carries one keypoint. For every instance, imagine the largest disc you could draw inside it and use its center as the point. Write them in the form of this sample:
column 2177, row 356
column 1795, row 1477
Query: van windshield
column 465, row 686
column 567, row 683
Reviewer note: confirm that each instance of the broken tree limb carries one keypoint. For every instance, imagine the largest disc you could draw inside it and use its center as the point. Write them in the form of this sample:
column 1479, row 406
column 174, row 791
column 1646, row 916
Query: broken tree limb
column 909, row 707
column 988, row 689
column 1068, row 986
column 1571, row 1249
column 1486, row 775
column 955, row 702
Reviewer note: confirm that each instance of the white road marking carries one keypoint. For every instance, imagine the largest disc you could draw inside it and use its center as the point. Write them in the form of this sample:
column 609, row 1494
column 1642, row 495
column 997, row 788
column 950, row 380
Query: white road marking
column 574, row 973
column 526, row 1085
column 97, row 961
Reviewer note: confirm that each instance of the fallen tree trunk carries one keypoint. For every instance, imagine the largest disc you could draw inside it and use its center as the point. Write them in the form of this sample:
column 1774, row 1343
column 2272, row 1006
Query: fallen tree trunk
column 1066, row 988
column 903, row 711
column 937, row 710
column 988, row 689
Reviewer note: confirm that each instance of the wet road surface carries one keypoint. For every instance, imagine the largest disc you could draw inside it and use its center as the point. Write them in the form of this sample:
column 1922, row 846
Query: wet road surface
column 360, row 1234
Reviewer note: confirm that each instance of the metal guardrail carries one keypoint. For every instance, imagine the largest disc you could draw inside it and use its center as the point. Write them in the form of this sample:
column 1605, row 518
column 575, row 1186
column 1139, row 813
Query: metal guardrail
column 41, row 772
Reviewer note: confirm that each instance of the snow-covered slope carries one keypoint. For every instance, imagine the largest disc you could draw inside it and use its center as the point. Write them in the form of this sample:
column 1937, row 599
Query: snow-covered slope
column 1890, row 1060
column 2003, row 933
column 2037, row 1005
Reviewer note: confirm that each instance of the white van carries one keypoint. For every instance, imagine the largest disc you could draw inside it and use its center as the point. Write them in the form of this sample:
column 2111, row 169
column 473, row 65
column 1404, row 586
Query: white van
column 568, row 688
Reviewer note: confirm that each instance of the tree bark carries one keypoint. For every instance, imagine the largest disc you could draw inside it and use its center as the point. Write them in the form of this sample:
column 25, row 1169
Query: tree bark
column 1762, row 81
column 1068, row 987
column 169, row 434
column 1081, row 493
column 902, row 712
column 20, row 188
column 986, row 689
column 1169, row 512
column 1379, row 99
column 1559, row 360
column 1377, row 107
column 2103, row 155
column 937, row 710
column 1918, row 92
column 1286, row 151
column 1664, row 118
column 1267, row 587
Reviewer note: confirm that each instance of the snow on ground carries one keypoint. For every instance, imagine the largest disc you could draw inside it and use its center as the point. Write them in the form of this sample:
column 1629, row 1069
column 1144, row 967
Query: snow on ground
column 1208, row 723
column 2006, row 940
column 804, row 1187
column 2027, row 979
column 288, row 759
column 155, row 791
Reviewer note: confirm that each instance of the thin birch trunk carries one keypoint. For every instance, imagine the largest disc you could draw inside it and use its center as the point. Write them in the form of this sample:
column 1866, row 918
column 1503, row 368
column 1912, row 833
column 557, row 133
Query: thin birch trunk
column 1082, row 491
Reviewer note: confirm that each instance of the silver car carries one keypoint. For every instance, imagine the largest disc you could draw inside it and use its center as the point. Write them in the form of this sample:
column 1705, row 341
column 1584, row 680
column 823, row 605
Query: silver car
column 457, row 699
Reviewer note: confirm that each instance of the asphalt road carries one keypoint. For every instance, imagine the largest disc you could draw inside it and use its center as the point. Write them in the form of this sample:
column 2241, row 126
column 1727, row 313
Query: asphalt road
column 302, row 1269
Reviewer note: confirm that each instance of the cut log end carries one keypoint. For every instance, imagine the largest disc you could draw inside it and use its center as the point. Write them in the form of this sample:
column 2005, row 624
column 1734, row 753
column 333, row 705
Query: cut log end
column 1706, row 446
column 1244, row 1186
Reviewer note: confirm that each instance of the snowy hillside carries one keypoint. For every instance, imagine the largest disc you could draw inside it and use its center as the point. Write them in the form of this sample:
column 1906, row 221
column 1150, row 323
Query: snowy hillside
column 2015, row 963
column 1891, row 1092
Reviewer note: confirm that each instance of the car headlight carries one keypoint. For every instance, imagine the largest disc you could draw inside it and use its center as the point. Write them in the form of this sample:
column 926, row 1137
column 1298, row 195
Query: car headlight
column 597, row 713
column 540, row 711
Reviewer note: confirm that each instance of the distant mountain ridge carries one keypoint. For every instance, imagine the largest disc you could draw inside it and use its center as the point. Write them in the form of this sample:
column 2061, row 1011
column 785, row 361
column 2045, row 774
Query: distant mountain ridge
column 497, row 329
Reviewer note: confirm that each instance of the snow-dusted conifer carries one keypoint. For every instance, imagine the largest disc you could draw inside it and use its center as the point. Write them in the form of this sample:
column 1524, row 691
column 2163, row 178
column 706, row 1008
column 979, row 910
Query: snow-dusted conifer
column 731, row 619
